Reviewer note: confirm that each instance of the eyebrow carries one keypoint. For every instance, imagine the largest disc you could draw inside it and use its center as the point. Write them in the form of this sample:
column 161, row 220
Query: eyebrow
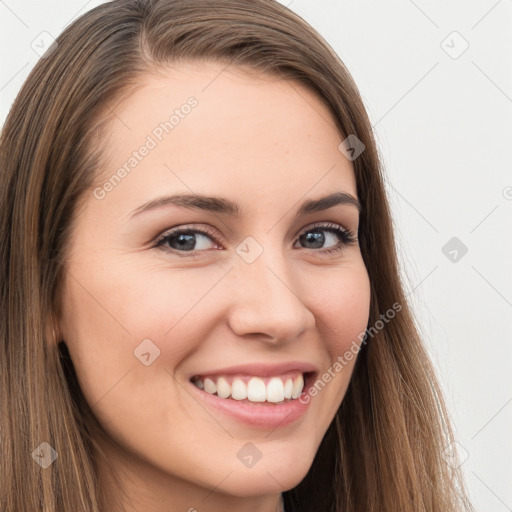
column 227, row 207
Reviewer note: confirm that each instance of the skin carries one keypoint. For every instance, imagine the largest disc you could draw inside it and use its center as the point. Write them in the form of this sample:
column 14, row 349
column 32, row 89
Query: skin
column 269, row 145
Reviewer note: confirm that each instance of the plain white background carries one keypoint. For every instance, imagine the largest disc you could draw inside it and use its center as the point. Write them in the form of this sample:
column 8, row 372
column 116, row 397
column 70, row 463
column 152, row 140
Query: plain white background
column 436, row 78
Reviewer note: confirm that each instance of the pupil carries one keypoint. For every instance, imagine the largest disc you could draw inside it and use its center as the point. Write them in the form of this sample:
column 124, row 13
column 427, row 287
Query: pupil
column 315, row 237
column 186, row 241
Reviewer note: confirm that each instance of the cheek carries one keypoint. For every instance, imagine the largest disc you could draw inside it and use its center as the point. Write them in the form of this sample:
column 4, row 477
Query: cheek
column 107, row 317
column 111, row 309
column 175, row 307
column 342, row 304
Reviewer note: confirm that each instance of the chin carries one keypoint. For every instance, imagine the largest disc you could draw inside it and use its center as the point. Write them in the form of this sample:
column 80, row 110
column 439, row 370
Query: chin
column 278, row 473
column 246, row 484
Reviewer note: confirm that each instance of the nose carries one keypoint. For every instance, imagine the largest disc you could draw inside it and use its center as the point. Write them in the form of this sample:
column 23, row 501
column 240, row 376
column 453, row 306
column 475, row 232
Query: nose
column 267, row 301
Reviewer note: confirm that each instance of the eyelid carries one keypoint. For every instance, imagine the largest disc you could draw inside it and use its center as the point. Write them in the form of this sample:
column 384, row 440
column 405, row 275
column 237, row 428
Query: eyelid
column 327, row 225
column 349, row 236
column 183, row 228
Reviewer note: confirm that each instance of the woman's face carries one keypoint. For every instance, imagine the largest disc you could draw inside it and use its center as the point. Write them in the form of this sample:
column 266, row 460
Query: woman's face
column 245, row 302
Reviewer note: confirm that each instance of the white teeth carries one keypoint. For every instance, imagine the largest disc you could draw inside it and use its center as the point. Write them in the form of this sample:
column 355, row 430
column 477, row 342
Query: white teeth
column 276, row 390
column 239, row 389
column 256, row 390
column 209, row 386
column 223, row 387
column 298, row 386
column 288, row 388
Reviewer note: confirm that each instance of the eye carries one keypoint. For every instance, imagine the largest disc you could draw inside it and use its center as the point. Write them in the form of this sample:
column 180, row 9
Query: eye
column 187, row 240
column 337, row 237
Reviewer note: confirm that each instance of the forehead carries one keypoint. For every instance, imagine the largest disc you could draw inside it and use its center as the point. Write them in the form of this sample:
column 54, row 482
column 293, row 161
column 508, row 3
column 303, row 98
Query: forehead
column 207, row 127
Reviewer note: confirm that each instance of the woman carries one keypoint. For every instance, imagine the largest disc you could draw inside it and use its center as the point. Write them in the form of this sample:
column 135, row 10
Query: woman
column 201, row 307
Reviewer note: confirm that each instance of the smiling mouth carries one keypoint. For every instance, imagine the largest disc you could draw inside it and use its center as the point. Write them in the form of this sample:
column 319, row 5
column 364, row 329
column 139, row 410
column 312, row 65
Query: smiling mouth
column 279, row 389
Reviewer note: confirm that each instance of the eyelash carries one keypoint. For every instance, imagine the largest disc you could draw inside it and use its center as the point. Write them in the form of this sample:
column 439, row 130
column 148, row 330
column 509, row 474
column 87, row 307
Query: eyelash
column 346, row 235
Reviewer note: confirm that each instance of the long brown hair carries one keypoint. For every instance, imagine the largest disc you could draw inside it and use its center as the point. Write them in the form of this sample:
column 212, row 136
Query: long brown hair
column 384, row 448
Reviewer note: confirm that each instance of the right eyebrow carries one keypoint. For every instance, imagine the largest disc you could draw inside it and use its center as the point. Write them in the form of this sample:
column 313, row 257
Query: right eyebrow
column 194, row 201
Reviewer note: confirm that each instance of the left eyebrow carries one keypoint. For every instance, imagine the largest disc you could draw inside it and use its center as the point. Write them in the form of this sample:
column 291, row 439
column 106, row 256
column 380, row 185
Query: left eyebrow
column 225, row 206
column 323, row 203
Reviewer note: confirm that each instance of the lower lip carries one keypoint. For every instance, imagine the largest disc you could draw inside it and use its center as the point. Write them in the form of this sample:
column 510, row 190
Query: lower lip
column 257, row 414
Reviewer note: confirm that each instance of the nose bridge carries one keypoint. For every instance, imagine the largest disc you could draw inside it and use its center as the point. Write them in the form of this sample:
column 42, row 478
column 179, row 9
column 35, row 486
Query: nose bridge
column 266, row 300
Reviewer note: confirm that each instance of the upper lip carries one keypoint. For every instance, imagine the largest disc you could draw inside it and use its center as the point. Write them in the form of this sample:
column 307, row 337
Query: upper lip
column 261, row 369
